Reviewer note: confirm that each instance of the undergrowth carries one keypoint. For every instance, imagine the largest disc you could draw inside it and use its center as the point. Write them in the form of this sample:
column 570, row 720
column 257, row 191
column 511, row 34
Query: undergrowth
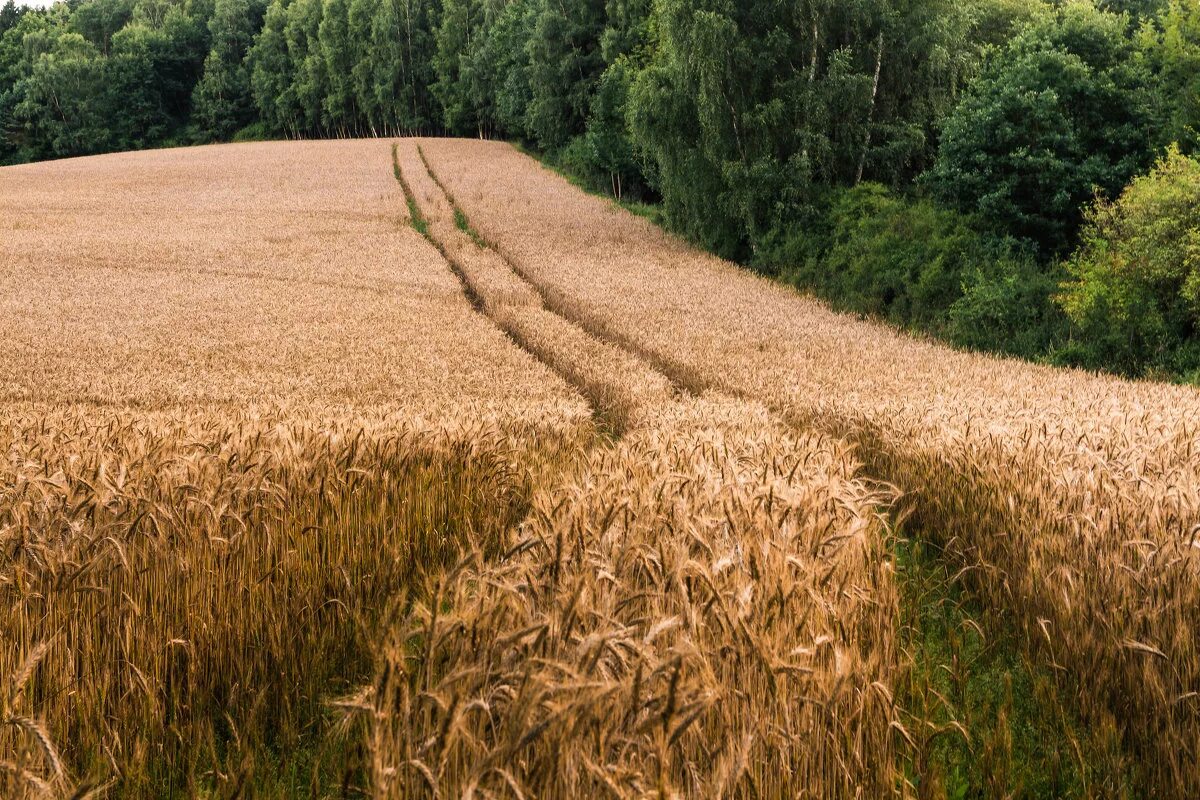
column 987, row 723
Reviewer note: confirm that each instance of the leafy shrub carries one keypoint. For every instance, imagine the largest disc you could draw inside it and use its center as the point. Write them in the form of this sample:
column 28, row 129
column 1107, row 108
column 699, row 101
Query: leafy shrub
column 1135, row 293
column 1007, row 307
column 882, row 255
column 254, row 132
column 919, row 266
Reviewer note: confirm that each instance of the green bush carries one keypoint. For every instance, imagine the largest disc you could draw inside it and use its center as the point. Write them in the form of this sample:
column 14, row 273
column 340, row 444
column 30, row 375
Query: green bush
column 919, row 266
column 254, row 132
column 1135, row 293
column 1007, row 307
column 882, row 255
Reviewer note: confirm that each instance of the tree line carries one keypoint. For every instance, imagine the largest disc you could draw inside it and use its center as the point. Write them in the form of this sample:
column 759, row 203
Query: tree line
column 1012, row 175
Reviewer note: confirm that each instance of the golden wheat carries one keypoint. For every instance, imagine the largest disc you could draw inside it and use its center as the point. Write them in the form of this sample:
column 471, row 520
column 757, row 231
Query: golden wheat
column 244, row 405
column 1072, row 499
column 724, row 586
column 261, row 441
column 704, row 610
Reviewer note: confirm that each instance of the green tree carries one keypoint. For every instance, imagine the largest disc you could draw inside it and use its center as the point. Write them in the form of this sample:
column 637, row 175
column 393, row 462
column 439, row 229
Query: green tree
column 222, row 101
column 10, row 15
column 459, row 33
column 340, row 53
column 1064, row 108
column 20, row 47
column 178, row 51
column 272, row 75
column 137, row 111
column 1172, row 44
column 61, row 107
column 565, row 63
column 626, row 48
column 610, row 147
column 99, row 20
column 746, row 112
column 395, row 77
column 1135, row 288
column 499, row 88
column 308, row 65
column 1136, row 9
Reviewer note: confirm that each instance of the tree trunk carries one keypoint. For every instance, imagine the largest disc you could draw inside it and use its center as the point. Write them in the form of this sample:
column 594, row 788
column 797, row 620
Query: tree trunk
column 862, row 158
column 813, row 60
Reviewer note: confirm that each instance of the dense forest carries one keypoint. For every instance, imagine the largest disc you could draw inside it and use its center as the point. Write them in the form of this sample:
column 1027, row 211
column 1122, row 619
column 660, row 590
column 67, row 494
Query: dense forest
column 1010, row 175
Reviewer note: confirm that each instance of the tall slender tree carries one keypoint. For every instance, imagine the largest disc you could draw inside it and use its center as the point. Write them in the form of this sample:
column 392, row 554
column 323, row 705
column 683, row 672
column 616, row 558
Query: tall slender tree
column 222, row 101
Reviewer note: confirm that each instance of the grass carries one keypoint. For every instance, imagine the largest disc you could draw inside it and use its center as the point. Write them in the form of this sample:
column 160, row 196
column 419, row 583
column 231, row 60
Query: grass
column 996, row 723
column 415, row 217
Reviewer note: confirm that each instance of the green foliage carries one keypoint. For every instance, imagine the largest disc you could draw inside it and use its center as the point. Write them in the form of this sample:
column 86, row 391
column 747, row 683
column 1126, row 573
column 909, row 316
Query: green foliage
column 222, row 100
column 899, row 260
column 1136, row 9
column 500, row 87
column 62, row 109
column 99, row 20
column 457, row 37
column 1135, row 288
column 1172, row 45
column 308, row 64
column 339, row 54
column 10, row 15
column 921, row 267
column 1063, row 109
column 746, row 112
column 272, row 72
column 565, row 64
column 1007, row 306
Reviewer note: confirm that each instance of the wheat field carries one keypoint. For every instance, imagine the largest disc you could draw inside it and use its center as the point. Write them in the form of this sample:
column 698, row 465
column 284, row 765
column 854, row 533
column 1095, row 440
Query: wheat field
column 407, row 469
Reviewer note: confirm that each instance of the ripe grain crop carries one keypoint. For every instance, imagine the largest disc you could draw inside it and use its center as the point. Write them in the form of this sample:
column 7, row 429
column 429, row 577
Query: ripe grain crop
column 704, row 606
column 267, row 441
column 1070, row 500
column 244, row 408
column 619, row 384
column 705, row 609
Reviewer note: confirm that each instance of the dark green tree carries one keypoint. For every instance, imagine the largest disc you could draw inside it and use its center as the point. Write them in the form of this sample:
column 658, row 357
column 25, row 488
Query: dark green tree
column 746, row 112
column 1172, row 45
column 178, row 53
column 62, row 108
column 309, row 80
column 395, row 76
column 10, row 15
column 272, row 75
column 1064, row 109
column 565, row 63
column 340, row 53
column 19, row 47
column 137, row 110
column 222, row 101
column 499, row 88
column 459, row 33
column 625, row 46
column 99, row 20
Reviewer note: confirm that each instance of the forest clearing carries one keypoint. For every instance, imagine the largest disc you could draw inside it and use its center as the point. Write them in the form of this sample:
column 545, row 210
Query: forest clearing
column 405, row 468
